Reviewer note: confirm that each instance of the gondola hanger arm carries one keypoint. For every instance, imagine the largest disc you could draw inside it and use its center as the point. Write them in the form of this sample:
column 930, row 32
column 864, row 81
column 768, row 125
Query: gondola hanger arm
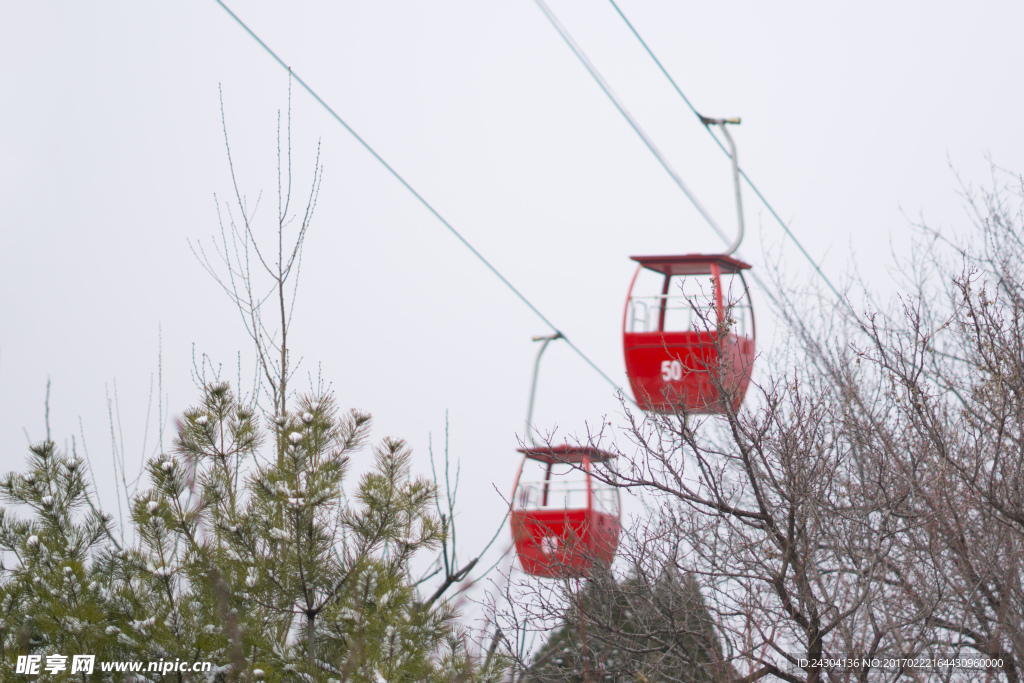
column 722, row 123
column 547, row 339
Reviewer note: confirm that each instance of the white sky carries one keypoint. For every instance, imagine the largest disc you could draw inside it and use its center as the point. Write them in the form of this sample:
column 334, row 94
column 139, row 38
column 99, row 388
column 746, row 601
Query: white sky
column 111, row 151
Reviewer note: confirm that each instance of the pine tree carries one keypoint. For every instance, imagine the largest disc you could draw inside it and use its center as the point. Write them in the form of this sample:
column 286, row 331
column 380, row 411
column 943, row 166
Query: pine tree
column 183, row 524
column 263, row 569
column 281, row 575
column 55, row 596
column 632, row 630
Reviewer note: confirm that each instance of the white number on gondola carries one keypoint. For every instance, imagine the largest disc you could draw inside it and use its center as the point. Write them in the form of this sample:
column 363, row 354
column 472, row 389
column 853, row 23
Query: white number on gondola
column 671, row 370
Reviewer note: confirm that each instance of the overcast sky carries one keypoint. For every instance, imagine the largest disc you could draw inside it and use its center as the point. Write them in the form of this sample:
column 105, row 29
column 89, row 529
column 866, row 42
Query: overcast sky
column 855, row 117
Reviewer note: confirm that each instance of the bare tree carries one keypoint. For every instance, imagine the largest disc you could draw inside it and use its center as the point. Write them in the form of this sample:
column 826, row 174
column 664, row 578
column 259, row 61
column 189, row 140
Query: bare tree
column 864, row 517
column 947, row 369
column 242, row 259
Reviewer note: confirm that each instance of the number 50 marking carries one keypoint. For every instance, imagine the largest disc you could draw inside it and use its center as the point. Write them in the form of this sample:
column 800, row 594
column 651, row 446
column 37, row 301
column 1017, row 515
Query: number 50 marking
column 671, row 370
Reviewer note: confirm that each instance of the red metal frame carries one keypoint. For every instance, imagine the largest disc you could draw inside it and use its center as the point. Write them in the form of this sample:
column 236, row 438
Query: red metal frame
column 703, row 355
column 564, row 543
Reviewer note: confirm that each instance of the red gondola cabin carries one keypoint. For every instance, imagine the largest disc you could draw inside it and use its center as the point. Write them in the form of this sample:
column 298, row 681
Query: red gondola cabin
column 693, row 337
column 564, row 520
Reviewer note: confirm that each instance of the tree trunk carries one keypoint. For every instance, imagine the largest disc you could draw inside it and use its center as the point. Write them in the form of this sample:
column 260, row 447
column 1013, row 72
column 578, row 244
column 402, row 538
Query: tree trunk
column 310, row 638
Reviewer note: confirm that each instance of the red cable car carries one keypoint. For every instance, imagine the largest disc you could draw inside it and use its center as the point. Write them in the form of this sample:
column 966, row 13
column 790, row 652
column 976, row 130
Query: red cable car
column 564, row 520
column 689, row 347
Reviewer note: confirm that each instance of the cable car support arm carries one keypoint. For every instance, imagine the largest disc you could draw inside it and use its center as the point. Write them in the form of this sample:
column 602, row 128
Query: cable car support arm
column 533, row 384
column 722, row 123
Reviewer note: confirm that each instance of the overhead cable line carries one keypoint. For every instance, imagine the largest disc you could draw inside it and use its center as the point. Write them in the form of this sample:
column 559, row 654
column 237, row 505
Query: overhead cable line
column 421, row 199
column 750, row 182
column 629, row 117
column 578, row 51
